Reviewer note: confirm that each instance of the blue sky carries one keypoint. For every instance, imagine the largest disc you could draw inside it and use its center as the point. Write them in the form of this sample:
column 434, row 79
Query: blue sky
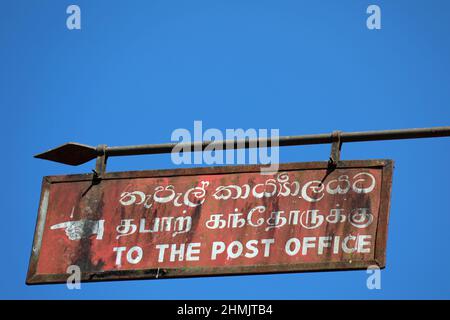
column 137, row 70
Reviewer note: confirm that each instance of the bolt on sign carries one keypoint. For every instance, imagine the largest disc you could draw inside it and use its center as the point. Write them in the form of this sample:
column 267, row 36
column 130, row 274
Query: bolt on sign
column 213, row 221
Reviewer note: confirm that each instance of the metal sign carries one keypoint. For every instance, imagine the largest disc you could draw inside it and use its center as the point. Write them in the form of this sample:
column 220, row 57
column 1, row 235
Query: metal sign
column 212, row 221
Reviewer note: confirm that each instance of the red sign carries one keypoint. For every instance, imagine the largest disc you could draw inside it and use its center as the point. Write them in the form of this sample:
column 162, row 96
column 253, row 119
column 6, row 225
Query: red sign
column 211, row 221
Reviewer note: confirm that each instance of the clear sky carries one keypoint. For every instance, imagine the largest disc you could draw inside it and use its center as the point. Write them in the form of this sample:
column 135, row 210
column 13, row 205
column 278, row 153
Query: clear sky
column 137, row 70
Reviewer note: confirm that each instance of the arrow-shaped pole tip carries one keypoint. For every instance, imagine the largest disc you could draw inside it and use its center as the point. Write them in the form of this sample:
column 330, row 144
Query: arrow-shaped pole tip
column 70, row 153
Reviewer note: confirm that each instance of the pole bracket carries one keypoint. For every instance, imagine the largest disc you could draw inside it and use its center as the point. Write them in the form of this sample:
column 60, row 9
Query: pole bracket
column 336, row 145
column 100, row 164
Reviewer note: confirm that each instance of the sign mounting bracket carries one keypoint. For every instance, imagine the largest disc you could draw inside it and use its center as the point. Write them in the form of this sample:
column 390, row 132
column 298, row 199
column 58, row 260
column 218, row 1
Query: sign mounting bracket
column 336, row 145
column 100, row 165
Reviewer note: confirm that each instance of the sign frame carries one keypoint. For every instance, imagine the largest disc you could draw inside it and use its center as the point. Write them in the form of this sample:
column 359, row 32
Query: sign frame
column 380, row 240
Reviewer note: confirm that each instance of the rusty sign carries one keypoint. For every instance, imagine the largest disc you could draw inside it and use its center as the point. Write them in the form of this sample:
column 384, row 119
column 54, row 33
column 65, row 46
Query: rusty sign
column 212, row 221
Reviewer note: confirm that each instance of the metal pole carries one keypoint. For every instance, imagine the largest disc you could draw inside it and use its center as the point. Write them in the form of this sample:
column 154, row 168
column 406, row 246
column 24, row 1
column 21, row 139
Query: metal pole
column 75, row 153
column 283, row 141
